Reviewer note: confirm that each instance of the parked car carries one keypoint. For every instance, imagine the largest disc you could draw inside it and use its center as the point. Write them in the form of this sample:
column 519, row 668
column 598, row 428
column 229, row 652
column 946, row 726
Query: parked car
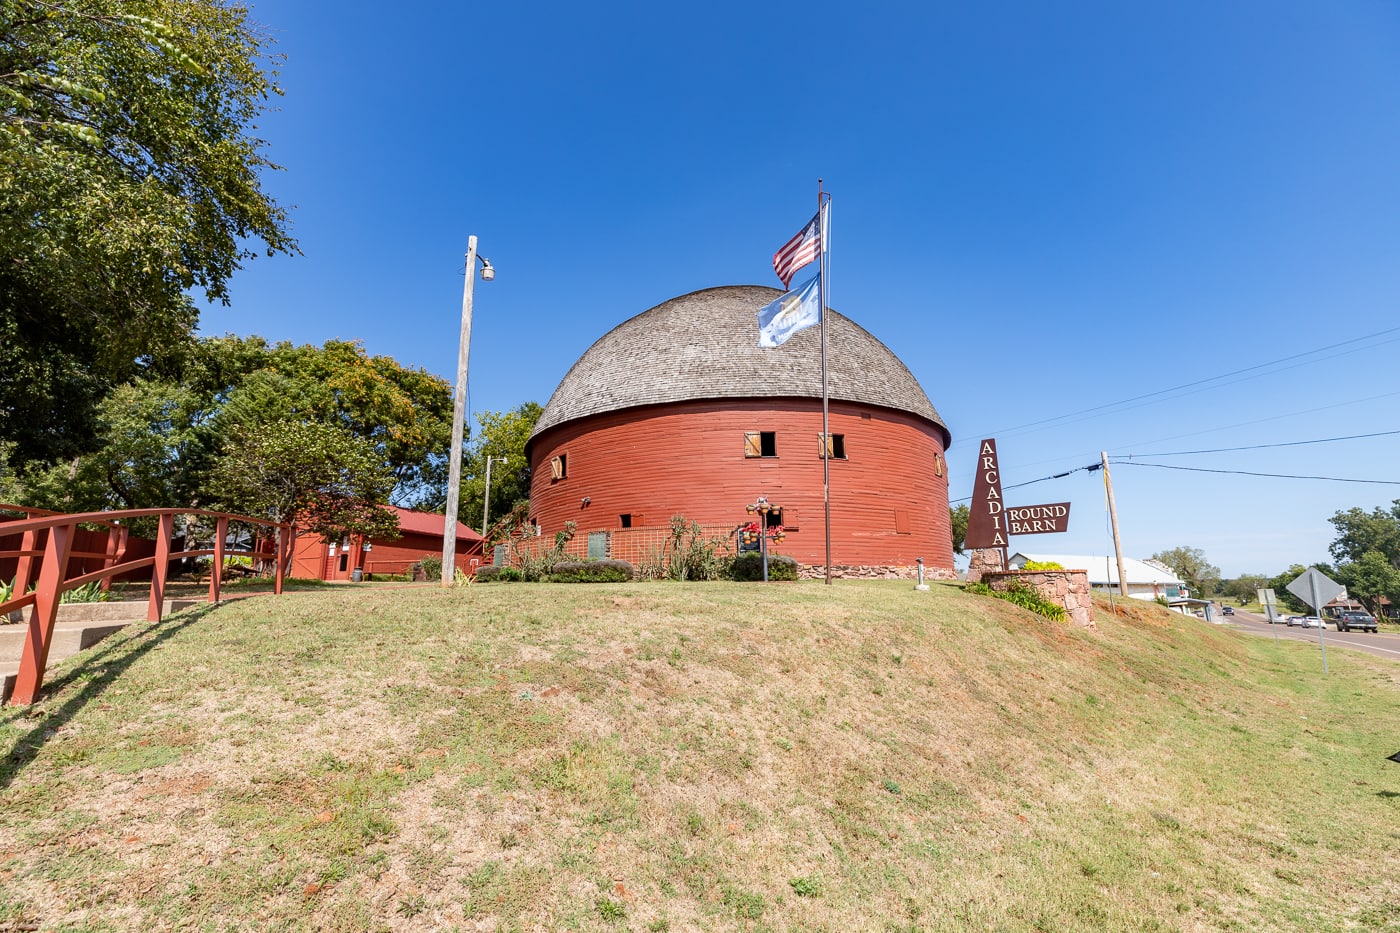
column 1293, row 620
column 1350, row 619
column 1311, row 622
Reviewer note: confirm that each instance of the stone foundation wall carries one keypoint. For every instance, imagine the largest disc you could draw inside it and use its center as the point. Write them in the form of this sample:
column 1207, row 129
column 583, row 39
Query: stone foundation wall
column 857, row 572
column 1069, row 588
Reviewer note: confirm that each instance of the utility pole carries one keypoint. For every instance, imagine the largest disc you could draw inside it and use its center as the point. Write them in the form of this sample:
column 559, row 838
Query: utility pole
column 459, row 415
column 1113, row 518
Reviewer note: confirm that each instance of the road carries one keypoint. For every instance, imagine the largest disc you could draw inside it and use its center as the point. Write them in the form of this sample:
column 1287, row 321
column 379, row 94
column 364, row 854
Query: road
column 1383, row 645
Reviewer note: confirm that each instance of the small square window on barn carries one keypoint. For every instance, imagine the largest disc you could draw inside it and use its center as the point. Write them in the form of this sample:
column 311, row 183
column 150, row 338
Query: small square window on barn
column 559, row 466
column 901, row 522
column 625, row 520
column 835, row 446
column 760, row 444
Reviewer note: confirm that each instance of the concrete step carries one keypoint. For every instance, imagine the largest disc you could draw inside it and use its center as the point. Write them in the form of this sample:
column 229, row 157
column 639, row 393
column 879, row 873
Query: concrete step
column 79, row 626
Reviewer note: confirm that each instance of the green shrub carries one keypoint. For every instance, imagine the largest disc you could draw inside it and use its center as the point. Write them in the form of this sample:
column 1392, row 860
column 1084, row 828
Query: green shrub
column 749, row 566
column 1025, row 597
column 592, row 571
column 511, row 575
column 87, row 593
column 493, row 574
column 1042, row 565
column 432, row 566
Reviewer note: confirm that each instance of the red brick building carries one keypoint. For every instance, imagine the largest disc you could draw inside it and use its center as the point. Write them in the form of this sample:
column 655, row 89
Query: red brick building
column 678, row 411
column 420, row 533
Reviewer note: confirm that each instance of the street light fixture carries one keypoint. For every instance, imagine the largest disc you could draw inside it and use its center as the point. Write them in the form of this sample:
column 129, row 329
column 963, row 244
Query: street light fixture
column 486, row 507
column 459, row 413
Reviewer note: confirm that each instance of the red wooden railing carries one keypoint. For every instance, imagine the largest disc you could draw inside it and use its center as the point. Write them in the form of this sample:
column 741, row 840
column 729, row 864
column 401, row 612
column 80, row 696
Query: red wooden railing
column 48, row 538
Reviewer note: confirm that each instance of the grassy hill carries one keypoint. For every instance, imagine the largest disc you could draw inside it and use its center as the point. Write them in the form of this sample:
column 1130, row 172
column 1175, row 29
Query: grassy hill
column 699, row 756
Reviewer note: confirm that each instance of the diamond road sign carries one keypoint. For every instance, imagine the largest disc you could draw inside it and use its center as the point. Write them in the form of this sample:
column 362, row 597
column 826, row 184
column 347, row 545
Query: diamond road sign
column 1316, row 584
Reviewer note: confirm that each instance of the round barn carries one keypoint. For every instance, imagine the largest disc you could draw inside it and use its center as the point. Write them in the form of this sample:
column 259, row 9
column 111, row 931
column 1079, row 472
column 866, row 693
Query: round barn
column 677, row 411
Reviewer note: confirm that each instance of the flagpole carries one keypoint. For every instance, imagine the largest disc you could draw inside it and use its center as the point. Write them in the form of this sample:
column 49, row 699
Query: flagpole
column 822, row 218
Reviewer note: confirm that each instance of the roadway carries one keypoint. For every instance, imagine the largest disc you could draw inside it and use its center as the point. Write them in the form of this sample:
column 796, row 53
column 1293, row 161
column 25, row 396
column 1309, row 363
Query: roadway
column 1384, row 645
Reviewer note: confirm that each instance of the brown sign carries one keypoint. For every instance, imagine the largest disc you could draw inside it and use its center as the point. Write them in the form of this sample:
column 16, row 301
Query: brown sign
column 1038, row 519
column 986, row 526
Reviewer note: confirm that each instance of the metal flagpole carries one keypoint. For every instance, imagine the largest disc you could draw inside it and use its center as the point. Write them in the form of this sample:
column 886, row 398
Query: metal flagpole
column 823, row 202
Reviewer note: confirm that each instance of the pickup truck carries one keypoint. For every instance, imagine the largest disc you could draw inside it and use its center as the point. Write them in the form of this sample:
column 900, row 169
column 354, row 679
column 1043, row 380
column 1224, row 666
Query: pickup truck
column 1350, row 619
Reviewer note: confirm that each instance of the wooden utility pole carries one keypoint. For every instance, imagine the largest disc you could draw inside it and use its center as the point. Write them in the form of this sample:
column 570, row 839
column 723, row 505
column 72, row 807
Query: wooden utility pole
column 1113, row 519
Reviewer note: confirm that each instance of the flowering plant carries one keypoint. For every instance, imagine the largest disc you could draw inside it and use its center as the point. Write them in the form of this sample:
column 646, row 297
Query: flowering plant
column 752, row 528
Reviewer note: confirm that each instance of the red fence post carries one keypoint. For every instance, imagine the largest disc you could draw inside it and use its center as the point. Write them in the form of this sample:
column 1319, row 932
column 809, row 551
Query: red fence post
column 24, row 569
column 161, row 568
column 114, row 535
column 43, row 615
column 220, row 536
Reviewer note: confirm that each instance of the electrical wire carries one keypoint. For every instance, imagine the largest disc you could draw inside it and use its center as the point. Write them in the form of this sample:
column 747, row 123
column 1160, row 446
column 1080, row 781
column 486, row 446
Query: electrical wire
column 1333, row 479
column 1226, row 450
column 1030, row 482
column 1198, row 382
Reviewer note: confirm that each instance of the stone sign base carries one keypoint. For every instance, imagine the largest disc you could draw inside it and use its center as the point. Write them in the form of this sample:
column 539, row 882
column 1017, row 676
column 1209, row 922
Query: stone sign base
column 981, row 562
column 1068, row 588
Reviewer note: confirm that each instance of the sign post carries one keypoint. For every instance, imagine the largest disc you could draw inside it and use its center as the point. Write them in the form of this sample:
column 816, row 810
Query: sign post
column 1317, row 590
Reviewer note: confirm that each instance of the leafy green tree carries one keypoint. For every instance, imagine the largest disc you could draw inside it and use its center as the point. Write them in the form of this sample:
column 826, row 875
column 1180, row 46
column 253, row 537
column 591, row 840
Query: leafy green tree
column 1191, row 565
column 1360, row 532
column 1369, row 579
column 319, row 477
column 1243, row 588
column 127, row 178
column 959, row 515
column 1279, row 585
column 498, row 434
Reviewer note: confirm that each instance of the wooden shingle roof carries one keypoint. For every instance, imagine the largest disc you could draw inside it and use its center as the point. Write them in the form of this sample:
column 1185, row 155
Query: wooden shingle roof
column 704, row 345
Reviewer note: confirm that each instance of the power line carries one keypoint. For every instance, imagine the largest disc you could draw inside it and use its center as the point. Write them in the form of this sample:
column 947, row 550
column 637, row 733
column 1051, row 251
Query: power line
column 1225, row 450
column 1332, row 479
column 1030, row 482
column 1193, row 384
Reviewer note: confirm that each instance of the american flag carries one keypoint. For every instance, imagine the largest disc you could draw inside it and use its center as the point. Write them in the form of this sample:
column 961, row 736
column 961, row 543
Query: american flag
column 798, row 251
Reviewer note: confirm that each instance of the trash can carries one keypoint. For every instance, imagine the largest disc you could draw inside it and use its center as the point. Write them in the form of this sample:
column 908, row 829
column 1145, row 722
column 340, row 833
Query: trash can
column 356, row 575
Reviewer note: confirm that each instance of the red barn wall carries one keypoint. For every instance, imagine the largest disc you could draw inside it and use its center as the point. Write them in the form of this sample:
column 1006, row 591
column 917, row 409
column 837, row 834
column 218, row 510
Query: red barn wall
column 312, row 558
column 889, row 498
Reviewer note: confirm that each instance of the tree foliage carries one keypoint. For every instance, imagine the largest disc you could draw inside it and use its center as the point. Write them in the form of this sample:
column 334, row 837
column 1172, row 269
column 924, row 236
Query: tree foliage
column 1360, row 532
column 158, row 437
column 959, row 515
column 128, row 177
column 318, row 476
column 499, row 434
column 1368, row 579
column 1191, row 565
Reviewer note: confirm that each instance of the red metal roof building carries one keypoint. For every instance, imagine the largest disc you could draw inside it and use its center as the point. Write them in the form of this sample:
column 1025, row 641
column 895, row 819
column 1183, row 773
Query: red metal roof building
column 678, row 411
column 420, row 534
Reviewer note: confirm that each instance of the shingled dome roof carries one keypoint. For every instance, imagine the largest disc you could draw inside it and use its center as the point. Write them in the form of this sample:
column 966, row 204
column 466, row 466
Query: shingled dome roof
column 705, row 346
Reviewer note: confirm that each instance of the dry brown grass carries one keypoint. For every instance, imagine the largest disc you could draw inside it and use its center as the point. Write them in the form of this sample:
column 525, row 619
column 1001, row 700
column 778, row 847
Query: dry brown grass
column 698, row 756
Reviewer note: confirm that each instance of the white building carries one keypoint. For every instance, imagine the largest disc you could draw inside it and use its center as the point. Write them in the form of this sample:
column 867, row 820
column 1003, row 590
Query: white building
column 1146, row 579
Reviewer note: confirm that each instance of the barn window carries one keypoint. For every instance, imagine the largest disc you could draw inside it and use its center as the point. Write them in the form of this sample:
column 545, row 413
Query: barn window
column 835, row 446
column 937, row 465
column 901, row 522
column 625, row 520
column 559, row 466
column 760, row 444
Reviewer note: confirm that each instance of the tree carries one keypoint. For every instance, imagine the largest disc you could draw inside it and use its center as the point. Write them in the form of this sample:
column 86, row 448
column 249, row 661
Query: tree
column 959, row 515
column 1279, row 585
column 499, row 434
column 127, row 178
column 1191, row 565
column 1360, row 532
column 1369, row 579
column 1244, row 587
column 317, row 476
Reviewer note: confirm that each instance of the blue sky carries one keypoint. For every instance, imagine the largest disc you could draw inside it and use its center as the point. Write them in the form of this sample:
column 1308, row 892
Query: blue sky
column 1041, row 208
